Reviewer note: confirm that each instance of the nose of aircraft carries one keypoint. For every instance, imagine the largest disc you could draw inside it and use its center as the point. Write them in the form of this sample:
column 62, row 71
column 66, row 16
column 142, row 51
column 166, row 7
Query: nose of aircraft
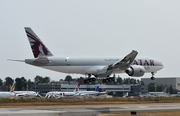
column 159, row 64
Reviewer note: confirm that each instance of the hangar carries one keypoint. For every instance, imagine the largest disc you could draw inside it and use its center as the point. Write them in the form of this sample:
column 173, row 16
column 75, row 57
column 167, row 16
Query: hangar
column 174, row 81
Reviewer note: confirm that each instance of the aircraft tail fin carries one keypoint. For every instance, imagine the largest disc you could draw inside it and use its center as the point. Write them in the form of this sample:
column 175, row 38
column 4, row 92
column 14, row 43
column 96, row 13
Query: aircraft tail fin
column 37, row 46
column 97, row 88
column 12, row 88
column 165, row 90
column 77, row 87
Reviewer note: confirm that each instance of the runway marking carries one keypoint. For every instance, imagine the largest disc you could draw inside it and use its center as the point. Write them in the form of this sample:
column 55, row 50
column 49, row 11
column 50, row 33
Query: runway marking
column 29, row 111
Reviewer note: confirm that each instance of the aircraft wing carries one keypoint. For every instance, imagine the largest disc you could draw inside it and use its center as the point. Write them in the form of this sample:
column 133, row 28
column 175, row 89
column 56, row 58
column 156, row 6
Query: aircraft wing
column 122, row 64
column 125, row 62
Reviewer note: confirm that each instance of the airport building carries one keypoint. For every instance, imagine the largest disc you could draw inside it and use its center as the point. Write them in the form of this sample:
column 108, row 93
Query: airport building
column 114, row 90
column 174, row 81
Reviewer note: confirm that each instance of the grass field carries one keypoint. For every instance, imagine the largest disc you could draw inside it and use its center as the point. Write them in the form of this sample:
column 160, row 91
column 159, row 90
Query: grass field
column 85, row 101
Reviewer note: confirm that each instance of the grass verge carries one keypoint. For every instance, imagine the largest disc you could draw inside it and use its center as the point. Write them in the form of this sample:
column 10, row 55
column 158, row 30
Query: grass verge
column 85, row 101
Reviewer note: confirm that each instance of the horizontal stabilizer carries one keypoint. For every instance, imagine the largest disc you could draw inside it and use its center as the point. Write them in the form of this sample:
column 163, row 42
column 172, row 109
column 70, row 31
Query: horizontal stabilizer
column 42, row 60
column 16, row 60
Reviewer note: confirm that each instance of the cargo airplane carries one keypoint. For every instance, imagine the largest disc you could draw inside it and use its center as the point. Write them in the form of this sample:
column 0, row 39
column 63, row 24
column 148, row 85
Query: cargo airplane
column 96, row 66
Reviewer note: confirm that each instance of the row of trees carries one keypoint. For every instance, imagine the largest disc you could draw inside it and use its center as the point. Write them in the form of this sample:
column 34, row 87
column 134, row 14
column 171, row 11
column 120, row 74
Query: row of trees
column 118, row 80
column 22, row 83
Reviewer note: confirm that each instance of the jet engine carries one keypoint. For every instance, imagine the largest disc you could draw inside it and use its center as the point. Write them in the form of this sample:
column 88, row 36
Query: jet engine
column 135, row 71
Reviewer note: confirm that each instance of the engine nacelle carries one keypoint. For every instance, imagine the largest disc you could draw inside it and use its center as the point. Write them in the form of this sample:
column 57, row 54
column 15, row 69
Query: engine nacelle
column 135, row 71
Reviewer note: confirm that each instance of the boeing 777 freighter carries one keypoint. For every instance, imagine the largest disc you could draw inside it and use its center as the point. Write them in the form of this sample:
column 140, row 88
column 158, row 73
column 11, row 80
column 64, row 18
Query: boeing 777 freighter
column 96, row 66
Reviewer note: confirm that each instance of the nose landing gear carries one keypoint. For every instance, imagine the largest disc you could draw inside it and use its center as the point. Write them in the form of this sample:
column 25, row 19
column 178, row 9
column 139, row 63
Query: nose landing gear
column 152, row 78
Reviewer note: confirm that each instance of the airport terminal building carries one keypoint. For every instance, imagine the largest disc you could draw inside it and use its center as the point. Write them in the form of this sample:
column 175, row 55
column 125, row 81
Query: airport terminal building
column 174, row 81
column 114, row 90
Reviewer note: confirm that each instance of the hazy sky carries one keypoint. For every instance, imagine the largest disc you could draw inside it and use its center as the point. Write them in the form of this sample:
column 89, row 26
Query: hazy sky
column 90, row 27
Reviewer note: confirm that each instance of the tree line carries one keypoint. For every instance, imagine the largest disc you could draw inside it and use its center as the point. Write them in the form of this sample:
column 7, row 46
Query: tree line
column 22, row 83
column 118, row 80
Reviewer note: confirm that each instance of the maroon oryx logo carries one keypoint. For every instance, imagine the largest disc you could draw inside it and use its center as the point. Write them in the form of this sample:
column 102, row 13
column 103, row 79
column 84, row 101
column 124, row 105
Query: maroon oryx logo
column 37, row 46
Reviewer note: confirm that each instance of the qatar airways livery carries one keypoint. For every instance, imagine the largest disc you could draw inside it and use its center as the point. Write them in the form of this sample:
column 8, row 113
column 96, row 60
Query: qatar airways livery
column 93, row 66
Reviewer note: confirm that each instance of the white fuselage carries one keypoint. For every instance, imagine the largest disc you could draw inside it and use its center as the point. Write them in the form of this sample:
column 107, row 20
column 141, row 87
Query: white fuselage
column 86, row 93
column 29, row 94
column 59, row 94
column 158, row 93
column 7, row 94
column 92, row 64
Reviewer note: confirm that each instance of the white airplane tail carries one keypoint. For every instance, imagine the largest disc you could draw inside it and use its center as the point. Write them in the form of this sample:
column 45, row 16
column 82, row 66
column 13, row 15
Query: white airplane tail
column 165, row 90
column 12, row 88
column 97, row 89
column 37, row 46
column 77, row 87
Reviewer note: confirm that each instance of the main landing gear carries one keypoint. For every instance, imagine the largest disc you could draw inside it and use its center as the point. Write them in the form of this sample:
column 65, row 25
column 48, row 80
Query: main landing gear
column 93, row 79
column 152, row 78
column 109, row 79
column 89, row 79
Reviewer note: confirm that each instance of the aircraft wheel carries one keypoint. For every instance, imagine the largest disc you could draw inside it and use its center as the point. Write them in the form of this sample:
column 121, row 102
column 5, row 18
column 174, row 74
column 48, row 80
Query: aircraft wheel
column 93, row 79
column 90, row 80
column 152, row 78
column 85, row 81
column 113, row 79
column 104, row 81
column 109, row 79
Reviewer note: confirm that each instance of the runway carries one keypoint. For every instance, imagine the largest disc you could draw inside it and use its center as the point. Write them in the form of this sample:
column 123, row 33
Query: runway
column 91, row 110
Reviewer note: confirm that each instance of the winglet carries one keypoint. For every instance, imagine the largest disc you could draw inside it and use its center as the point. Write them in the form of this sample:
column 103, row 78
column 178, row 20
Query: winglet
column 12, row 88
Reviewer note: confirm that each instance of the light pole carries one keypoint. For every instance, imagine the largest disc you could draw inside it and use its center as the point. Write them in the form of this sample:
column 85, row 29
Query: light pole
column 155, row 85
column 123, row 90
column 168, row 90
column 52, row 86
column 35, row 86
column 27, row 86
